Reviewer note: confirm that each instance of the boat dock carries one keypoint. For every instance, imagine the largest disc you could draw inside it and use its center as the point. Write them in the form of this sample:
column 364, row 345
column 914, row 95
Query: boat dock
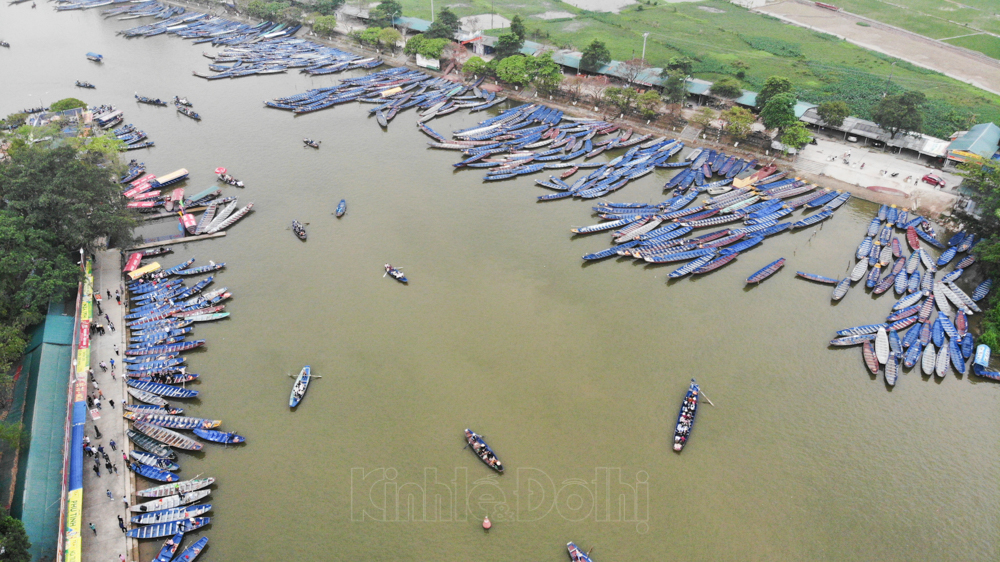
column 172, row 214
column 168, row 240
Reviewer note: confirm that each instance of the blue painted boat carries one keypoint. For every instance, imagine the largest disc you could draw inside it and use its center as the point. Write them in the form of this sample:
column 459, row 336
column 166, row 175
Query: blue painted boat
column 716, row 263
column 956, row 239
column 948, row 327
column 577, row 555
column 864, row 248
column 904, row 313
column 395, row 274
column 895, row 344
column 873, row 227
column 982, row 290
column 937, row 332
column 952, row 275
column 968, row 344
column 955, row 354
column 482, row 450
column 167, row 529
column 908, row 301
column 841, row 289
column 883, row 211
column 902, row 324
column 613, row 251
column 691, row 266
column 885, row 235
column 766, row 271
column 966, row 262
column 162, row 349
column 162, row 389
column 681, row 256
column 686, row 416
column 873, row 276
column 967, row 244
column 925, row 333
column 153, row 473
column 900, row 283
column 929, row 239
column 300, row 387
column 814, row 219
column 892, row 369
column 192, row 552
column 853, row 340
column 912, row 355
column 149, row 459
column 341, row 208
column 169, row 548
column 817, row 278
column 171, row 514
column 912, row 335
column 946, row 257
column 215, row 436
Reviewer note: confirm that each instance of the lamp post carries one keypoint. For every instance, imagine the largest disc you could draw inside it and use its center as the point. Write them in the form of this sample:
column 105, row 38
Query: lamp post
column 644, row 36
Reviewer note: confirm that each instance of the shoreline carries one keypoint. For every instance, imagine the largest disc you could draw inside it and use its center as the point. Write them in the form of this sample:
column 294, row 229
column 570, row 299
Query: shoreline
column 690, row 140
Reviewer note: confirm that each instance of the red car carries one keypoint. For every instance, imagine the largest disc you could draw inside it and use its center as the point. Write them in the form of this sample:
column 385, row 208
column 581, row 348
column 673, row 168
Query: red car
column 934, row 180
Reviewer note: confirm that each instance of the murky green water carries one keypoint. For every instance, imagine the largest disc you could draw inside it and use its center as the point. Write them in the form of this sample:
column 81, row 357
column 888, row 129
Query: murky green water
column 573, row 372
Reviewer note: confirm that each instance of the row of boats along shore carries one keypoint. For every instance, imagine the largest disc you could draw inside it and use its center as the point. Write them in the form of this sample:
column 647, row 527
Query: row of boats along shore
column 160, row 319
column 929, row 324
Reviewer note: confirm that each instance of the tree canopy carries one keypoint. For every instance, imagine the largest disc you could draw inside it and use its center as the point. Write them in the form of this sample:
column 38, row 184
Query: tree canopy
column 622, row 98
column 381, row 15
column 477, row 66
column 517, row 27
column 796, row 135
column 727, row 88
column 594, row 55
column 773, row 86
column 521, row 71
column 681, row 64
column 68, row 103
column 779, row 111
column 388, row 38
column 900, row 113
column 324, row 25
column 507, row 45
column 421, row 45
column 675, row 87
column 266, row 10
column 445, row 25
column 739, row 120
column 14, row 539
column 833, row 113
column 327, row 7
column 982, row 177
column 53, row 202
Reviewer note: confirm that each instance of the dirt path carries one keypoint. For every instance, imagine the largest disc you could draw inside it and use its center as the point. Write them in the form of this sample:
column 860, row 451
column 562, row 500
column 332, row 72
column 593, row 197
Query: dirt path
column 958, row 63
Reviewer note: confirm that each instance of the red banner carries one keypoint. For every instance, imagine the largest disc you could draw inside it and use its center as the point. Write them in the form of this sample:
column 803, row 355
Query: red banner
column 137, row 190
column 141, row 205
column 84, row 334
column 188, row 221
column 143, row 179
column 133, row 262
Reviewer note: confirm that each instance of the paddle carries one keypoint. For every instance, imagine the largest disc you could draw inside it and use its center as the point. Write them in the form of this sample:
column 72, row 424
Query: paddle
column 706, row 398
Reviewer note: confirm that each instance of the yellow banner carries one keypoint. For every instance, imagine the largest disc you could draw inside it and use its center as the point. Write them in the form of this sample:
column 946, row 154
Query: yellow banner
column 74, row 510
column 86, row 310
column 82, row 363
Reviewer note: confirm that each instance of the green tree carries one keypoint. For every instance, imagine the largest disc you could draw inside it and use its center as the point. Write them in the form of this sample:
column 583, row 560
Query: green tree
column 622, row 98
column 14, row 435
column 594, row 55
column 833, row 113
column 14, row 540
column 675, row 87
column 388, row 37
column 433, row 48
column 738, row 121
column 413, row 44
column 507, row 45
column 779, row 111
column 900, row 113
column 982, row 179
column 514, row 70
column 727, row 88
column 324, row 25
column 68, row 103
column 517, row 27
column 382, row 15
column 773, row 86
column 796, row 135
column 545, row 73
column 266, row 10
column 445, row 25
column 477, row 67
column 684, row 65
column 703, row 117
column 648, row 102
column 327, row 7
column 367, row 36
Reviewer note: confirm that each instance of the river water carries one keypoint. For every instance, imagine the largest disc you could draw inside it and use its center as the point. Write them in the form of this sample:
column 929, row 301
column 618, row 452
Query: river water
column 573, row 372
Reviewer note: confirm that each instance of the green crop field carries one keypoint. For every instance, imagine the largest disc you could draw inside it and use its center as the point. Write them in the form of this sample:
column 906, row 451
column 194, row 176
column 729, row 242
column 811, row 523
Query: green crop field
column 987, row 44
column 718, row 34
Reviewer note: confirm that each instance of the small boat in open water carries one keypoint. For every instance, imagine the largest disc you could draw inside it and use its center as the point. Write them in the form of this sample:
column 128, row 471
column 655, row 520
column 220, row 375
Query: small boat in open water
column 87, row 85
column 685, row 419
column 300, row 386
column 341, row 208
column 482, row 450
column 312, row 143
column 577, row 555
column 395, row 274
column 299, row 230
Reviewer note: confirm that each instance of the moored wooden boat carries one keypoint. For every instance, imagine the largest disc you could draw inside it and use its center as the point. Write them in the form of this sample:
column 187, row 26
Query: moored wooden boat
column 153, row 473
column 169, row 548
column 164, row 435
column 928, row 360
column 482, row 450
column 868, row 354
column 171, row 514
column 173, row 422
column 766, row 271
column 158, row 530
column 170, row 500
column 817, row 278
column 147, row 397
column 219, row 436
column 147, row 443
column 150, row 459
column 882, row 346
column 192, row 552
column 841, row 289
column 892, row 369
column 161, row 389
column 176, row 488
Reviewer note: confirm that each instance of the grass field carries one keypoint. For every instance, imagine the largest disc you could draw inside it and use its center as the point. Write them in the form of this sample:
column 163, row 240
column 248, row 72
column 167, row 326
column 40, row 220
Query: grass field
column 717, row 34
column 986, row 44
column 938, row 19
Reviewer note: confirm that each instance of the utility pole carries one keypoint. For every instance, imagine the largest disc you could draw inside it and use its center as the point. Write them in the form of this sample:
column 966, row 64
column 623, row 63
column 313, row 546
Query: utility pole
column 644, row 36
column 889, row 81
column 432, row 11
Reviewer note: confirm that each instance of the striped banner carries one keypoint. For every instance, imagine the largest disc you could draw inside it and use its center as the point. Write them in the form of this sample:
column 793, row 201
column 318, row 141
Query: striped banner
column 72, row 545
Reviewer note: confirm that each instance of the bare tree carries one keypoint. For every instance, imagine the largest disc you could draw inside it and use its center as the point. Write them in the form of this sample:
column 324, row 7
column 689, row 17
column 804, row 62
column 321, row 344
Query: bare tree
column 631, row 69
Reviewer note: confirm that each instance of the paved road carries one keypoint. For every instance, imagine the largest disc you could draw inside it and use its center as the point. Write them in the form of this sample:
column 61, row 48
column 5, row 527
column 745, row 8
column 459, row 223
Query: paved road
column 109, row 542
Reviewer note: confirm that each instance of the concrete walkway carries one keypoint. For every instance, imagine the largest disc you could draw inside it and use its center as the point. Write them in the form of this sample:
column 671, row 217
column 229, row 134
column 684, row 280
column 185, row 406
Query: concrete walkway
column 109, row 542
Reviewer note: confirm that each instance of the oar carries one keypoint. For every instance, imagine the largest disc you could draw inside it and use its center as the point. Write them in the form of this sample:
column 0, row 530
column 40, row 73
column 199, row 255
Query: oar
column 706, row 398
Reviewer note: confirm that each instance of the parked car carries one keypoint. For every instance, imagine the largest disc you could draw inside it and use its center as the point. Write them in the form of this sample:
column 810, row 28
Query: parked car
column 934, row 180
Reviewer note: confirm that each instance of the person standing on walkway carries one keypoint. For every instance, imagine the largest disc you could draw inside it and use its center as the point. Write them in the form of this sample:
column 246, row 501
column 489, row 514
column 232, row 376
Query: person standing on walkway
column 111, row 325
column 96, row 386
column 112, row 363
column 100, row 449
column 115, row 468
column 93, row 528
column 109, row 293
column 112, row 443
column 97, row 403
column 110, row 497
column 97, row 470
column 125, row 501
column 112, row 402
column 103, row 366
column 121, row 523
column 106, row 317
column 118, row 298
column 116, row 349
